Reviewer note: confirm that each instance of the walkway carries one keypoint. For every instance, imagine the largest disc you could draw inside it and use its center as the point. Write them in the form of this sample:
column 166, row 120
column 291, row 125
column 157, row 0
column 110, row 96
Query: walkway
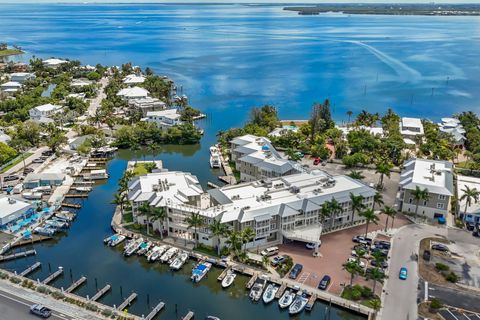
column 97, row 101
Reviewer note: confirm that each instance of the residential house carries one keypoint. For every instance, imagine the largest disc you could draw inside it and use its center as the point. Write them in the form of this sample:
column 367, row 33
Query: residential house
column 133, row 93
column 53, row 63
column 148, row 104
column 133, row 79
column 454, row 127
column 45, row 111
column 372, row 130
column 471, row 212
column 436, row 177
column 411, row 129
column 164, row 119
column 11, row 87
column 21, row 76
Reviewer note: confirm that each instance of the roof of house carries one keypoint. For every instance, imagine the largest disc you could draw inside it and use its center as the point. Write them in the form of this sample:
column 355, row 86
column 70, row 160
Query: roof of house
column 434, row 175
column 80, row 82
column 10, row 205
column 47, row 107
column 54, row 61
column 168, row 113
column 372, row 130
column 133, row 78
column 133, row 92
column 44, row 176
column 11, row 84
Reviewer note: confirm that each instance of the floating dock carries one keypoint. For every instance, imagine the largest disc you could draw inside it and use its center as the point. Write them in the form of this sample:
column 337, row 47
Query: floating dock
column 71, row 205
column 33, row 239
column 189, row 316
column 311, row 302
column 252, row 281
column 30, row 269
column 53, row 276
column 76, row 195
column 76, row 284
column 223, row 274
column 155, row 310
column 127, row 301
column 281, row 290
column 18, row 255
column 101, row 292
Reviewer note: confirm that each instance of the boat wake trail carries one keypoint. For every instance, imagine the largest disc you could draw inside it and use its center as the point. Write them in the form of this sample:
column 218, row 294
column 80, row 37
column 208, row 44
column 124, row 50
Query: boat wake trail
column 406, row 73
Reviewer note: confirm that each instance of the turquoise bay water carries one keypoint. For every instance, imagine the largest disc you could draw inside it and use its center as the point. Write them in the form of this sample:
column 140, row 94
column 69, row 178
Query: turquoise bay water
column 229, row 58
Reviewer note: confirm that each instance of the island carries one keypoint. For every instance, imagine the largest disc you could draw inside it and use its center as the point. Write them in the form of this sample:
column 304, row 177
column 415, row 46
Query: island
column 6, row 51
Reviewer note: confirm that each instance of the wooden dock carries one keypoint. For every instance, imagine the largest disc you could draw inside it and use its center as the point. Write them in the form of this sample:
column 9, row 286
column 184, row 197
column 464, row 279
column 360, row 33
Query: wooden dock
column 76, row 284
column 53, row 276
column 101, row 292
column 30, row 269
column 34, row 239
column 252, row 281
column 155, row 310
column 223, row 274
column 71, row 205
column 127, row 301
column 76, row 195
column 281, row 290
column 18, row 255
column 311, row 302
column 189, row 316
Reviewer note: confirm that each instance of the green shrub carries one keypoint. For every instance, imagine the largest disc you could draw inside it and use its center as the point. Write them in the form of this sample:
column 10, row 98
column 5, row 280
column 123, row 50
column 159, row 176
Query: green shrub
column 3, row 275
column 15, row 280
column 452, row 277
column 435, row 303
column 356, row 294
column 91, row 307
column 441, row 267
column 106, row 312
column 366, row 292
column 42, row 289
column 58, row 295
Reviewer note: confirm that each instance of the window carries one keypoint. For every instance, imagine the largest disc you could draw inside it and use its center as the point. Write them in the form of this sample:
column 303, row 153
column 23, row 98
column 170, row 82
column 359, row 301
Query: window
column 424, row 202
column 441, row 197
column 440, row 206
column 410, row 200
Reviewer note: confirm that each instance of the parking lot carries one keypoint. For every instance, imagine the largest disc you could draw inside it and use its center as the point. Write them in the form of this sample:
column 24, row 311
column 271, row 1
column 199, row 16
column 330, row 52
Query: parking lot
column 335, row 250
column 456, row 314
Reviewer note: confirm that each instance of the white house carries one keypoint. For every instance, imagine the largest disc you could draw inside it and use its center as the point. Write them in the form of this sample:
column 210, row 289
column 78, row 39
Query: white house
column 11, row 86
column 133, row 93
column 133, row 79
column 372, row 130
column 147, row 104
column 410, row 128
column 164, row 118
column 455, row 128
column 44, row 111
column 278, row 132
column 80, row 83
column 21, row 76
column 53, row 63
column 12, row 209
column 472, row 213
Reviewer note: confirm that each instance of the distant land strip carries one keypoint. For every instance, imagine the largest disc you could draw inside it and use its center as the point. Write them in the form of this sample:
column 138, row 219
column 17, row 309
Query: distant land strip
column 391, row 9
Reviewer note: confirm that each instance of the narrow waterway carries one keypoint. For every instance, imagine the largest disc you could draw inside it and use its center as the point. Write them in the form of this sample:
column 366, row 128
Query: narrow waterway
column 80, row 251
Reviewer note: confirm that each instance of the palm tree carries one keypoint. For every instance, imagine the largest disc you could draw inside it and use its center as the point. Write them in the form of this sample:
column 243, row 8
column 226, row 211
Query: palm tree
column 325, row 213
column 354, row 174
column 335, row 208
column 349, row 114
column 376, row 304
column 235, row 242
column 357, row 204
column 469, row 195
column 370, row 217
column 265, row 261
column 353, row 268
column 420, row 194
column 120, row 200
column 247, row 235
column 376, row 275
column 377, row 199
column 390, row 213
column 146, row 210
column 383, row 168
column 195, row 221
column 160, row 214
column 218, row 230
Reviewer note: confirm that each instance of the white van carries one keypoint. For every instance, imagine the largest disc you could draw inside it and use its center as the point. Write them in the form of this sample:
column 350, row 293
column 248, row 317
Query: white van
column 271, row 251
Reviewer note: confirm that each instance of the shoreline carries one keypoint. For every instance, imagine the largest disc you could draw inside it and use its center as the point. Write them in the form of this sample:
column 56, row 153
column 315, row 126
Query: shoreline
column 10, row 52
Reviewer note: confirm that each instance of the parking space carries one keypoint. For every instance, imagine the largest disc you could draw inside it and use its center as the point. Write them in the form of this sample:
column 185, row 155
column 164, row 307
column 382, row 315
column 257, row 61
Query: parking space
column 456, row 314
column 336, row 248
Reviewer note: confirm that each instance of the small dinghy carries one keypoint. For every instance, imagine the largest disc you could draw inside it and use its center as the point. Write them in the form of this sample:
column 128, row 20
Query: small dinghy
column 228, row 280
column 286, row 299
column 269, row 293
column 298, row 304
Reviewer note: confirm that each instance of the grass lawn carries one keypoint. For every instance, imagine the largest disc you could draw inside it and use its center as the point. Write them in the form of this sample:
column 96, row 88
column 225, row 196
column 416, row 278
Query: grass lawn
column 127, row 217
column 207, row 250
column 9, row 52
column 142, row 168
column 15, row 161
column 236, row 173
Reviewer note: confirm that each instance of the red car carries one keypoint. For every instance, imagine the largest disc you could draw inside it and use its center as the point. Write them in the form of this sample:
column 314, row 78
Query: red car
column 317, row 161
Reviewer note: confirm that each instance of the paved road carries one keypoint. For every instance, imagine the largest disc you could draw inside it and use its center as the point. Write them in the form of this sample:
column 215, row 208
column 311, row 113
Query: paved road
column 36, row 153
column 452, row 297
column 12, row 307
column 96, row 102
column 400, row 301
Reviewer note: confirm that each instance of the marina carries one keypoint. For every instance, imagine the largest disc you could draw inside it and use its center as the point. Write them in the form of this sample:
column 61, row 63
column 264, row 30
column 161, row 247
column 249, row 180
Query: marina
column 76, row 284
column 53, row 276
column 101, row 292
column 30, row 269
column 128, row 301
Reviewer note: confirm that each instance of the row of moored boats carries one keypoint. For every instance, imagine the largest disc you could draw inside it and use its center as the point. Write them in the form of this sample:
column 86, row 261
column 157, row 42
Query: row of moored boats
column 61, row 221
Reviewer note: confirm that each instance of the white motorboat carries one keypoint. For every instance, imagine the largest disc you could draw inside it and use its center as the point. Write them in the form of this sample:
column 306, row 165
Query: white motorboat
column 298, row 304
column 228, row 280
column 153, row 251
column 132, row 247
column 144, row 246
column 200, row 271
column 212, row 318
column 269, row 293
column 168, row 255
column 156, row 255
column 83, row 189
column 116, row 239
column 214, row 157
column 32, row 195
column 56, row 224
column 257, row 289
column 44, row 231
column 286, row 299
column 179, row 261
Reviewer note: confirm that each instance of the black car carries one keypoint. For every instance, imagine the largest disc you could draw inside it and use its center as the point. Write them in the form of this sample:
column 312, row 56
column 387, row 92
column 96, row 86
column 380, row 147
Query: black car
column 470, row 226
column 41, row 311
column 27, row 170
column 426, row 255
column 362, row 239
column 382, row 244
column 10, row 178
column 47, row 153
column 324, row 283
column 297, row 268
column 440, row 247
column 383, row 264
column 369, row 271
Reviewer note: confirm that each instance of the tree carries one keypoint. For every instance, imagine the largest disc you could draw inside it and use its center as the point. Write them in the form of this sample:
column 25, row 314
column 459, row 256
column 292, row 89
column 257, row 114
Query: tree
column 370, row 217
column 335, row 208
column 265, row 261
column 354, row 174
column 120, row 200
column 349, row 114
column 357, row 205
column 321, row 119
column 195, row 221
column 377, row 200
column 376, row 304
column 218, row 230
column 353, row 268
column 235, row 242
column 247, row 235
column 376, row 275
column 146, row 210
column 419, row 195
column 6, row 153
column 390, row 213
column 325, row 213
column 383, row 168
column 56, row 140
column 469, row 195
column 159, row 213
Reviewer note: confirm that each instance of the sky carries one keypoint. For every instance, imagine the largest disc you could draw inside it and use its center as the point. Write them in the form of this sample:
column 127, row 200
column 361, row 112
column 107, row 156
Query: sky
column 236, row 1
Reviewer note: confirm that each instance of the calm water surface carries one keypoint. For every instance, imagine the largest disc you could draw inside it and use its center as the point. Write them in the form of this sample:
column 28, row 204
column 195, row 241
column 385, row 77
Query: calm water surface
column 228, row 58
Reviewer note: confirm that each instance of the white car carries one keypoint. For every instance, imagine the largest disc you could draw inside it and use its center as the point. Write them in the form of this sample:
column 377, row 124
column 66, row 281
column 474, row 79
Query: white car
column 360, row 262
column 311, row 245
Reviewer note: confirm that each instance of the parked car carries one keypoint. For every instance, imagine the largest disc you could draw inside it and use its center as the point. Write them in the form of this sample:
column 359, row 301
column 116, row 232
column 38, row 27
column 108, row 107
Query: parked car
column 38, row 160
column 382, row 244
column 325, row 282
column 47, row 153
column 27, row 170
column 278, row 260
column 41, row 311
column 10, row 178
column 361, row 246
column 368, row 271
column 383, row 252
column 403, row 273
column 362, row 239
column 311, row 245
column 295, row 272
column 316, row 161
column 470, row 226
column 440, row 247
column 360, row 262
column 383, row 264
column 271, row 251
column 475, row 234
